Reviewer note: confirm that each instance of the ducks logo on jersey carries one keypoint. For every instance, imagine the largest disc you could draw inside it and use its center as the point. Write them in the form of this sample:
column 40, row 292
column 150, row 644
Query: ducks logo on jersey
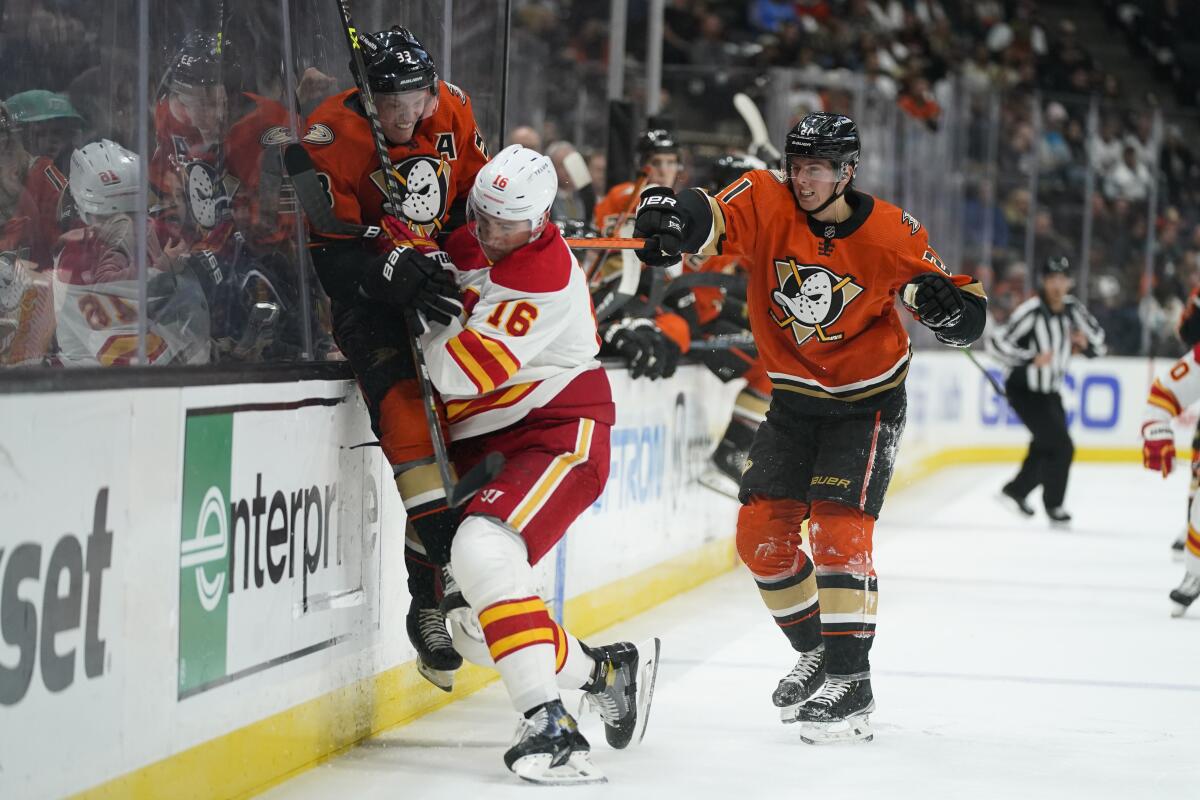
column 811, row 297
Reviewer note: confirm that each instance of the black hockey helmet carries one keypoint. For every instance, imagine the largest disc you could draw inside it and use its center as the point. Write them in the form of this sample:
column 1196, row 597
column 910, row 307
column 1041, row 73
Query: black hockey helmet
column 728, row 168
column 826, row 136
column 397, row 62
column 1056, row 265
column 203, row 60
column 653, row 142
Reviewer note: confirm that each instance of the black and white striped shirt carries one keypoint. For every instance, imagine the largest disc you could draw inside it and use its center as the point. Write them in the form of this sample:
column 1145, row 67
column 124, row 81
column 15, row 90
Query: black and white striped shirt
column 1033, row 328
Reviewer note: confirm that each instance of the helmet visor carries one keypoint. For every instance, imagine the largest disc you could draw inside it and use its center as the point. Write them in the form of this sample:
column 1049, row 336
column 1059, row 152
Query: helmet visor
column 815, row 170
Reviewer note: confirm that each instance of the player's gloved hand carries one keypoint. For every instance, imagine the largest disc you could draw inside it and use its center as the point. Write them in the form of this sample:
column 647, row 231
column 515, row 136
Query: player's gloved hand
column 659, row 222
column 639, row 343
column 935, row 299
column 405, row 278
column 1158, row 447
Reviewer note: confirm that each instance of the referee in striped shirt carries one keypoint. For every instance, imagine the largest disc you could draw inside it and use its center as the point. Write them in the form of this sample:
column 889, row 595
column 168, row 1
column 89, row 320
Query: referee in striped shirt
column 1036, row 345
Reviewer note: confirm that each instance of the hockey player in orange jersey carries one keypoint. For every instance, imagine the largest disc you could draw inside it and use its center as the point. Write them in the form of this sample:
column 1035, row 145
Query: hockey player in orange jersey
column 437, row 150
column 827, row 264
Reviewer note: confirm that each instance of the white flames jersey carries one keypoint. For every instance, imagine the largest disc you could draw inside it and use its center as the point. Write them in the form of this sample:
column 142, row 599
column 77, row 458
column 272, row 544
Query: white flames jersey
column 1176, row 389
column 97, row 310
column 528, row 345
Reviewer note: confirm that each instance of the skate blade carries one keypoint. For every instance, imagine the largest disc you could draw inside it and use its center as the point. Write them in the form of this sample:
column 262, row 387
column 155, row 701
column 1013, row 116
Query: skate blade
column 854, row 729
column 577, row 770
column 441, row 678
column 648, row 653
column 1012, row 506
column 1178, row 609
column 787, row 714
column 720, row 483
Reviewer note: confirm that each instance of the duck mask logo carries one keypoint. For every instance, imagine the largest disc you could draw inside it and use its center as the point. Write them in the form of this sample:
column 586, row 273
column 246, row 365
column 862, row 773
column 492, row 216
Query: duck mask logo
column 812, row 298
column 425, row 183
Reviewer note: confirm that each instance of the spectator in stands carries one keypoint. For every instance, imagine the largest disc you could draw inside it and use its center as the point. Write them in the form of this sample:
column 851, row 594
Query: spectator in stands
column 1130, row 179
column 916, row 99
column 1104, row 147
column 47, row 123
column 768, row 16
column 575, row 199
column 526, row 136
column 597, row 162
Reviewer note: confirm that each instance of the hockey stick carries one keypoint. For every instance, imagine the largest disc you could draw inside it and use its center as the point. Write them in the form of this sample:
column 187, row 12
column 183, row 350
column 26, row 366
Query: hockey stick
column 315, row 201
column 759, row 140
column 612, row 243
column 490, row 466
column 996, row 386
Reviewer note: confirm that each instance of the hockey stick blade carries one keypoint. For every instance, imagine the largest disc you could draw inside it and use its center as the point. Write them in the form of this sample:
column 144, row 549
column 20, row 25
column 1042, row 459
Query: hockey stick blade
column 759, row 140
column 314, row 199
column 476, row 478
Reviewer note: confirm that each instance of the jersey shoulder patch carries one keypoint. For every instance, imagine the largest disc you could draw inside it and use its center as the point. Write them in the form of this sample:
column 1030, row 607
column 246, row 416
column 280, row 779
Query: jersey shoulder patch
column 912, row 222
column 318, row 133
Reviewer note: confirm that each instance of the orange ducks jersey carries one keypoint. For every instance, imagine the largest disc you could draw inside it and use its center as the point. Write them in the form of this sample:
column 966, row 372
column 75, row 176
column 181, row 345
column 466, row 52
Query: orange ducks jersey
column 436, row 168
column 619, row 201
column 822, row 296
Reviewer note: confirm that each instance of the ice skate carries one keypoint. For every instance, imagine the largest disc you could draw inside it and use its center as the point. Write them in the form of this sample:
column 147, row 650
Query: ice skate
column 1017, row 504
column 436, row 657
column 716, row 479
column 839, row 711
column 1059, row 518
column 628, row 673
column 1183, row 597
column 549, row 749
column 800, row 684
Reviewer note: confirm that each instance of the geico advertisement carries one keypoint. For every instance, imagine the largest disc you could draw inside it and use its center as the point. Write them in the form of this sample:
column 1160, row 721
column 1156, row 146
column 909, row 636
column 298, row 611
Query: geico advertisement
column 278, row 539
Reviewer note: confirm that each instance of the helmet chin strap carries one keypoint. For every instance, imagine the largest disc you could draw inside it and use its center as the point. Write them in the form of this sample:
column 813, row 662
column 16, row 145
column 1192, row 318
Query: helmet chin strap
column 831, row 199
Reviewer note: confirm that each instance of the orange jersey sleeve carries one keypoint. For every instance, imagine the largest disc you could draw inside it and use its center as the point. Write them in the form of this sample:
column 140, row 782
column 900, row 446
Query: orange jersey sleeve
column 614, row 204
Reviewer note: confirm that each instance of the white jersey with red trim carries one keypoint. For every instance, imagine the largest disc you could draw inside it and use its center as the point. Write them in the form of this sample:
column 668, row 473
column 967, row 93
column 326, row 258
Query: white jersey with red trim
column 528, row 346
column 1175, row 390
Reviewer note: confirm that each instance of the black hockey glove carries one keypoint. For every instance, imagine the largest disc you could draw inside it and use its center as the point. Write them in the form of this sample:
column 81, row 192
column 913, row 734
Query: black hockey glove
column 405, row 278
column 935, row 299
column 659, row 222
column 638, row 342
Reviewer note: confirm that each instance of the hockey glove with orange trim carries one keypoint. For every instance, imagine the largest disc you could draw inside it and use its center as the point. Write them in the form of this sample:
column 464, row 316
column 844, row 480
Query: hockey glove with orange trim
column 1158, row 447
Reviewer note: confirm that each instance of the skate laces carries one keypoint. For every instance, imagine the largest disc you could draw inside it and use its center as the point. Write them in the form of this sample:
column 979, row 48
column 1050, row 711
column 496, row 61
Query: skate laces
column 432, row 625
column 806, row 666
column 605, row 701
column 832, row 691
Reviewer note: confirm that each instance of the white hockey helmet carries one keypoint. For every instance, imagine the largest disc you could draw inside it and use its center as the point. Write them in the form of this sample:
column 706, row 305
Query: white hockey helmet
column 518, row 185
column 104, row 179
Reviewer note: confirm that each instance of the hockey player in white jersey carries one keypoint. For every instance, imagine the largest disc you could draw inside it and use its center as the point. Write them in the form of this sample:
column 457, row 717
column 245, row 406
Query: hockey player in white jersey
column 1170, row 394
column 519, row 376
column 96, row 292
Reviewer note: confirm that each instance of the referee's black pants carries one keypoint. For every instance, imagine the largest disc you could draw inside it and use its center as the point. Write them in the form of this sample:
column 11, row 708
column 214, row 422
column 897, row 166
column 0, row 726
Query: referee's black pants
column 1048, row 462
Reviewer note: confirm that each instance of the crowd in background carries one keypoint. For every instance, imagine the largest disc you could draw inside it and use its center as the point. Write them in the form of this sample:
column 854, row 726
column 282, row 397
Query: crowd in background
column 223, row 224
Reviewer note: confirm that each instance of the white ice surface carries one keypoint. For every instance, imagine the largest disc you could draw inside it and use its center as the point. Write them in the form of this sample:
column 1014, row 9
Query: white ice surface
column 1012, row 661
